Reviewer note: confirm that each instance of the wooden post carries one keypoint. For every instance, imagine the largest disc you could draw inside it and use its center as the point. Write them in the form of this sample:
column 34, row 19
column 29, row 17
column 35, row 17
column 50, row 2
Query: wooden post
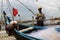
column 32, row 20
column 52, row 20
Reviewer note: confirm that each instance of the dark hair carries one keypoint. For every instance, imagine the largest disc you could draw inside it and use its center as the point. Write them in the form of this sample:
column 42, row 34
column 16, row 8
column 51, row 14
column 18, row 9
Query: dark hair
column 40, row 10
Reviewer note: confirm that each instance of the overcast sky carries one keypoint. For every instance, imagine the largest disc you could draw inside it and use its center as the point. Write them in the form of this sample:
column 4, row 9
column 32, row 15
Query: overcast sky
column 50, row 8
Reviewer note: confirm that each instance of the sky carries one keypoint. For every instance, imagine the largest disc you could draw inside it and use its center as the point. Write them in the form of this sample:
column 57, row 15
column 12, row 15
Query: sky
column 49, row 8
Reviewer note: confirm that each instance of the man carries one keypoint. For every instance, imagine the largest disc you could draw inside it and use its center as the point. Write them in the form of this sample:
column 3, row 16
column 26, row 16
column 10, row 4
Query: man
column 10, row 27
column 40, row 18
column 14, row 25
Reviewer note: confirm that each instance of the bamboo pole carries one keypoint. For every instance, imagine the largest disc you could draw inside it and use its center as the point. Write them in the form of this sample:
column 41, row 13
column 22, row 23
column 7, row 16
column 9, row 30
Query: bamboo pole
column 30, row 28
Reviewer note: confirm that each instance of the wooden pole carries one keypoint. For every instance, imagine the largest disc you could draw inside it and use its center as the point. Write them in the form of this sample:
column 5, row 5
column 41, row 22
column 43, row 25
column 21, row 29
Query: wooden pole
column 1, row 12
column 32, row 20
column 52, row 21
column 11, row 9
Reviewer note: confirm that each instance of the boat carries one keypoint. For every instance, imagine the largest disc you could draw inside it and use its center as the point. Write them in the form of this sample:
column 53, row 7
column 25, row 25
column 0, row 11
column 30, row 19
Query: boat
column 22, row 34
column 32, row 33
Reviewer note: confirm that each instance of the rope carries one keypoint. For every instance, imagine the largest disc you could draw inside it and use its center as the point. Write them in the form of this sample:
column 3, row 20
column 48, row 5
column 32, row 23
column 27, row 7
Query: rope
column 26, row 7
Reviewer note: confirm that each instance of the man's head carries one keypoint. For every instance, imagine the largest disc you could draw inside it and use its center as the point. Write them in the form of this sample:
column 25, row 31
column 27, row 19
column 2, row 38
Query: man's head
column 13, row 22
column 10, row 27
column 40, row 10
